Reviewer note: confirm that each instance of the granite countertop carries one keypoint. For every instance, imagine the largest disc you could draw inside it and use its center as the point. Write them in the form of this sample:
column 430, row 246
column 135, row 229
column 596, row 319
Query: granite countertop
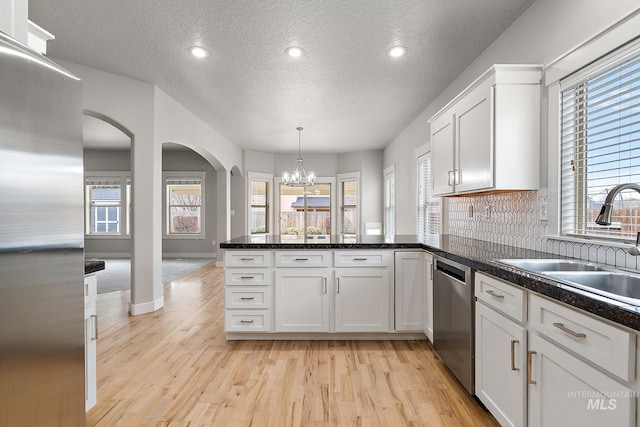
column 91, row 266
column 477, row 254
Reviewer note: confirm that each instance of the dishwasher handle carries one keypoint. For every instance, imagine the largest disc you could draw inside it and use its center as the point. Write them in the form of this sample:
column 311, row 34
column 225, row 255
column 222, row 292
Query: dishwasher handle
column 451, row 271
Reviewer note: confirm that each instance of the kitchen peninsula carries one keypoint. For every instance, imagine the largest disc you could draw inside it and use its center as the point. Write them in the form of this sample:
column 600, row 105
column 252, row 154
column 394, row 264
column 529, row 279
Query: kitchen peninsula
column 265, row 257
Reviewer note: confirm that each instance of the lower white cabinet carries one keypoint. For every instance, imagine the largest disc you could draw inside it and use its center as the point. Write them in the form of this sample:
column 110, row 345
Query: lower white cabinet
column 501, row 367
column 361, row 300
column 428, row 296
column 565, row 391
column 409, row 290
column 90, row 337
column 302, row 300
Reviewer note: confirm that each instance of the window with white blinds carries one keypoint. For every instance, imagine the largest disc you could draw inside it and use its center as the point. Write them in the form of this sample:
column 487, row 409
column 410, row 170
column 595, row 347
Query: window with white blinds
column 428, row 205
column 600, row 125
column 349, row 205
column 389, row 224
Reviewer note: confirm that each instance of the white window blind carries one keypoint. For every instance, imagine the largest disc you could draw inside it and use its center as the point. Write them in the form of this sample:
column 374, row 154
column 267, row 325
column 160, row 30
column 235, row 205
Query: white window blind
column 600, row 137
column 428, row 205
column 390, row 202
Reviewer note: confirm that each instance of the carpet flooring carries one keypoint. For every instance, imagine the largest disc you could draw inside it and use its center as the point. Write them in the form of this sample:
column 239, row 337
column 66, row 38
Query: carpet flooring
column 117, row 273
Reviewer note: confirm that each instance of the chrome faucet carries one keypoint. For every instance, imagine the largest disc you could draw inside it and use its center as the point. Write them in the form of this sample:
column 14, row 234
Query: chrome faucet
column 604, row 218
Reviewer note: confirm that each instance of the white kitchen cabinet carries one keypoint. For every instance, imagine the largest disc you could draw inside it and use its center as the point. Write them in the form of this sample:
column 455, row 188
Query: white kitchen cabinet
column 90, row 337
column 409, row 290
column 428, row 296
column 488, row 137
column 361, row 300
column 565, row 391
column 302, row 300
column 248, row 290
column 501, row 366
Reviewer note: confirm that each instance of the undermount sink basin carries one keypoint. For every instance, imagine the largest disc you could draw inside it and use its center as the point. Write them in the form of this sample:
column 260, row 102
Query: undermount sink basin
column 545, row 265
column 619, row 286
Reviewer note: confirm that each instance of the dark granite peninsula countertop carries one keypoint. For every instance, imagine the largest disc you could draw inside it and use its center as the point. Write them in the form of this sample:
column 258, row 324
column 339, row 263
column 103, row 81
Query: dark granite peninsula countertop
column 477, row 254
column 92, row 266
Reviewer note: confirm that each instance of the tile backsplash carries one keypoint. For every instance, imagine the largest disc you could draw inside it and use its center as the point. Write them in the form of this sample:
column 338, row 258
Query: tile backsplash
column 514, row 219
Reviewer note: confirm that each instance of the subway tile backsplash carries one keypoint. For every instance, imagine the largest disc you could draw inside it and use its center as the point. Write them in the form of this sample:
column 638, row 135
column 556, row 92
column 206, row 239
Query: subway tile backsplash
column 514, row 219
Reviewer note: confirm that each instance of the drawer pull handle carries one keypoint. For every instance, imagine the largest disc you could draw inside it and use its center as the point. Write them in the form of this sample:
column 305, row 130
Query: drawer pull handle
column 529, row 356
column 569, row 331
column 246, row 298
column 247, row 259
column 246, row 277
column 301, row 259
column 246, row 321
column 360, row 259
column 513, row 355
column 493, row 294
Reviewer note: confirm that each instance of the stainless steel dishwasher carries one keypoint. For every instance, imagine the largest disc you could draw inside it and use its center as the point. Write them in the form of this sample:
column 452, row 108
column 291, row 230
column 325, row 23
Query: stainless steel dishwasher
column 453, row 319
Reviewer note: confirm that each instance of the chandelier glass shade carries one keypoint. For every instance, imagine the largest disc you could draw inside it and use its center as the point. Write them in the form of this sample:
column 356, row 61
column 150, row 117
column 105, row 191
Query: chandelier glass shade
column 299, row 177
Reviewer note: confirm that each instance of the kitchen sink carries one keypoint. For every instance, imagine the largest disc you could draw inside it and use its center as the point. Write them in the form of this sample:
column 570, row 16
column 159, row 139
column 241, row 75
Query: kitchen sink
column 620, row 286
column 584, row 275
column 547, row 265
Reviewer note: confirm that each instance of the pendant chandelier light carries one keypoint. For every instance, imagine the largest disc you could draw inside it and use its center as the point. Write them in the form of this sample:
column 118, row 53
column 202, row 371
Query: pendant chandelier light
column 299, row 177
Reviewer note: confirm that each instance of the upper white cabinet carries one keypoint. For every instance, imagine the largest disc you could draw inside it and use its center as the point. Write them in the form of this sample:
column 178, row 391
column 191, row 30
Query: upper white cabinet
column 488, row 137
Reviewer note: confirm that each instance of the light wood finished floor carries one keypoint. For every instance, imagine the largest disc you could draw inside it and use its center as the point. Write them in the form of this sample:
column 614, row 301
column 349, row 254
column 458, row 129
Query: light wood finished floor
column 175, row 368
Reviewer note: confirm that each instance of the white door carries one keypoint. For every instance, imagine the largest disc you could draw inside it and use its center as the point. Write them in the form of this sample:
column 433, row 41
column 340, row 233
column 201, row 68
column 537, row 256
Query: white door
column 362, row 300
column 474, row 146
column 501, row 349
column 409, row 291
column 428, row 296
column 302, row 301
column 442, row 155
column 565, row 391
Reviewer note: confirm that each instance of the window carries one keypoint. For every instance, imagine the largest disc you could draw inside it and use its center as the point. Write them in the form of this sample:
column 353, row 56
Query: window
column 349, row 203
column 306, row 213
column 259, row 203
column 600, row 140
column 389, row 201
column 428, row 205
column 185, row 204
column 104, row 198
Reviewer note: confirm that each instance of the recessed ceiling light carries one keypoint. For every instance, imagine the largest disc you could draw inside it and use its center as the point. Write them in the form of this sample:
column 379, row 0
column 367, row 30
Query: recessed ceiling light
column 199, row 52
column 294, row 51
column 397, row 51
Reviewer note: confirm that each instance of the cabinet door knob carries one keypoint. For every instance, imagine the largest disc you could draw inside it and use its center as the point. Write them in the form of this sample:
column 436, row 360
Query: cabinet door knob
column 529, row 356
column 513, row 355
column 337, row 285
column 95, row 327
column 449, row 183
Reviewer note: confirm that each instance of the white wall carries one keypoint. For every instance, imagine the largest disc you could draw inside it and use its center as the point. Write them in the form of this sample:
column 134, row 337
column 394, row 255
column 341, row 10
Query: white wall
column 545, row 31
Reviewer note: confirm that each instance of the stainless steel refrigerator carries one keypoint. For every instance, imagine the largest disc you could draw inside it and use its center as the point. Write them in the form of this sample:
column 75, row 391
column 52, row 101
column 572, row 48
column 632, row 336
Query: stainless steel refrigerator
column 41, row 242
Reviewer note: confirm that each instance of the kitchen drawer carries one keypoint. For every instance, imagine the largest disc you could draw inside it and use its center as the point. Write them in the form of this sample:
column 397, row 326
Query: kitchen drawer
column 247, row 258
column 247, row 320
column 504, row 297
column 247, row 297
column 90, row 288
column 303, row 259
column 601, row 343
column 250, row 276
column 361, row 258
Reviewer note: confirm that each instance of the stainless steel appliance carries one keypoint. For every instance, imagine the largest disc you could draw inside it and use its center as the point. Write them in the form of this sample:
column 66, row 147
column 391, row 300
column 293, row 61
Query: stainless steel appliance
column 453, row 319
column 41, row 241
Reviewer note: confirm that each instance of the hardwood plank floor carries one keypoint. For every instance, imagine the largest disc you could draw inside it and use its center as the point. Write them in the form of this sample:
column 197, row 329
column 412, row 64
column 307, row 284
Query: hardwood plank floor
column 174, row 368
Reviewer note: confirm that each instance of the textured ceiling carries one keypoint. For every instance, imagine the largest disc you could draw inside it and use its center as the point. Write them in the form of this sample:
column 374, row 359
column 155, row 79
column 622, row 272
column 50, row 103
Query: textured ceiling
column 345, row 91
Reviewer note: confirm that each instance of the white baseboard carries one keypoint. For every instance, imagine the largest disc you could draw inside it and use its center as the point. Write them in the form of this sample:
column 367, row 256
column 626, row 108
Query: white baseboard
column 310, row 336
column 146, row 307
column 211, row 255
column 127, row 255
